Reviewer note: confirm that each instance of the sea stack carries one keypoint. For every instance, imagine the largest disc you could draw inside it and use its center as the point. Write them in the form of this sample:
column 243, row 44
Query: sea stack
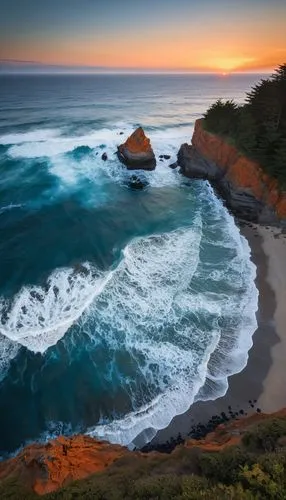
column 136, row 152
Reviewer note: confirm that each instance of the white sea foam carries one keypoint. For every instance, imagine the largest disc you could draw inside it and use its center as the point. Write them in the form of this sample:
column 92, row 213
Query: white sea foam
column 50, row 143
column 55, row 144
column 8, row 351
column 72, row 173
column 30, row 137
column 191, row 381
column 39, row 316
column 9, row 207
column 149, row 293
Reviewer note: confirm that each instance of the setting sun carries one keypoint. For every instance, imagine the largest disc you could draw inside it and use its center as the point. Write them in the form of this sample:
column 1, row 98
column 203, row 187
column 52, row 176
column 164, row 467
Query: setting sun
column 213, row 36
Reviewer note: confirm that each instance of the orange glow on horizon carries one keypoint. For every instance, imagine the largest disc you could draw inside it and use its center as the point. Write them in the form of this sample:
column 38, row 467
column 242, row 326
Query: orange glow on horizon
column 226, row 49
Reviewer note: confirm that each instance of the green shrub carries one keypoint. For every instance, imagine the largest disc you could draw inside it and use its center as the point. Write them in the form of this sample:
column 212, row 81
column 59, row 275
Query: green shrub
column 264, row 436
column 254, row 470
column 224, row 466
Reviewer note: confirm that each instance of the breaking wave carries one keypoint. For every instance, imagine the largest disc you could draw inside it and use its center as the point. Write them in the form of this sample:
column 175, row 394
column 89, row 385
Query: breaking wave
column 160, row 305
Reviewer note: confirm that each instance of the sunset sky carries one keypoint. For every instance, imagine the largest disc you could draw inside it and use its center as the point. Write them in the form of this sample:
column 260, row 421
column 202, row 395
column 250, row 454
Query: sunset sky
column 188, row 35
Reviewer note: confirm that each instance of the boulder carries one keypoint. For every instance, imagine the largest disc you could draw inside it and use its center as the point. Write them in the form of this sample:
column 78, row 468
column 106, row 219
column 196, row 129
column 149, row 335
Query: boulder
column 104, row 157
column 173, row 165
column 135, row 182
column 136, row 152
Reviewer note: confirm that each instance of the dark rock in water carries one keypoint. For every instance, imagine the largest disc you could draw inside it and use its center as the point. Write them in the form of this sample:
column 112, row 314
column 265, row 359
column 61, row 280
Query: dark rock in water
column 193, row 165
column 121, row 133
column 104, row 157
column 135, row 182
column 161, row 159
column 166, row 157
column 161, row 156
column 136, row 152
column 173, row 165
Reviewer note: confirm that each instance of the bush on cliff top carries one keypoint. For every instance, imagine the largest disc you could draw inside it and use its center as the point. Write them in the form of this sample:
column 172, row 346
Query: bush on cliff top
column 255, row 470
column 257, row 128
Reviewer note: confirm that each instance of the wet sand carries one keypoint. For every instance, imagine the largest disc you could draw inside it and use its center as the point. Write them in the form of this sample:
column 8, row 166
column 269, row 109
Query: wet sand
column 260, row 386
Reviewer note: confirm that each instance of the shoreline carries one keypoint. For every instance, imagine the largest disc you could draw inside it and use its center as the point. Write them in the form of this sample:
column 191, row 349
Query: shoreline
column 259, row 386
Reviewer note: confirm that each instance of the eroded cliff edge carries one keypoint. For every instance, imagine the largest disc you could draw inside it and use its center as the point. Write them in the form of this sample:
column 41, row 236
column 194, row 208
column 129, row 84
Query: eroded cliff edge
column 248, row 191
column 42, row 468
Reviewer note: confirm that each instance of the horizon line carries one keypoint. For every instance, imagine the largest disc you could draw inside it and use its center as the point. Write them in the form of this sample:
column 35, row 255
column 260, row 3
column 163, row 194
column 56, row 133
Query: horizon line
column 130, row 72
column 29, row 66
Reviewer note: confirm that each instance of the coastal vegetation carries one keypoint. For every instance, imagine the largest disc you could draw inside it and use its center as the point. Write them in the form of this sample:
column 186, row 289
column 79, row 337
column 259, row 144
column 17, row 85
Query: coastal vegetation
column 258, row 127
column 254, row 469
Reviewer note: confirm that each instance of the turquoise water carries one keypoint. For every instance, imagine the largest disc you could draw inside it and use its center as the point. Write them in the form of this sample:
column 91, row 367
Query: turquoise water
column 112, row 300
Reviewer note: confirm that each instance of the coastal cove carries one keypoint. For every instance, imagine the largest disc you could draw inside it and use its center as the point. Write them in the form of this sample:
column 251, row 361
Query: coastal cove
column 260, row 384
column 128, row 300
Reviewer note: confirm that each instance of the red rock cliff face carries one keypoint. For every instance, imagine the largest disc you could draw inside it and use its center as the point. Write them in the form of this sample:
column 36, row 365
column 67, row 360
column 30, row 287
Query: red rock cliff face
column 46, row 467
column 239, row 170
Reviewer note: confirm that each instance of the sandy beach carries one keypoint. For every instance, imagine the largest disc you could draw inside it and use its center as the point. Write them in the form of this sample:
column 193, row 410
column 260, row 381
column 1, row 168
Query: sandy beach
column 273, row 396
column 260, row 386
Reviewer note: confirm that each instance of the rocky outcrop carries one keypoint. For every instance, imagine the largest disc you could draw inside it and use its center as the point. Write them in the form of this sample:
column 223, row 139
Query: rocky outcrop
column 173, row 165
column 46, row 467
column 247, row 190
column 135, row 182
column 136, row 152
column 231, row 433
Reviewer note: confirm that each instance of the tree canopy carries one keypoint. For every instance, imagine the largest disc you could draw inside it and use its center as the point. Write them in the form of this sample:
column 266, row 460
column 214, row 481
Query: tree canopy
column 257, row 128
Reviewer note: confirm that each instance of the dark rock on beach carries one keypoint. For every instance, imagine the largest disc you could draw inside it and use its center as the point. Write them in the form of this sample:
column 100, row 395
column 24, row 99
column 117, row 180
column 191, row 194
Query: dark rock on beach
column 136, row 152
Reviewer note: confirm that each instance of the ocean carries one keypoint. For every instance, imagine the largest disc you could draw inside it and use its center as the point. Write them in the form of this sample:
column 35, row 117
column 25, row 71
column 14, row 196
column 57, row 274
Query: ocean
column 118, row 308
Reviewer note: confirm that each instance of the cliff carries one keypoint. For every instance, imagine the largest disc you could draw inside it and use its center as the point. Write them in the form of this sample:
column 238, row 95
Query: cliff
column 44, row 468
column 247, row 190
